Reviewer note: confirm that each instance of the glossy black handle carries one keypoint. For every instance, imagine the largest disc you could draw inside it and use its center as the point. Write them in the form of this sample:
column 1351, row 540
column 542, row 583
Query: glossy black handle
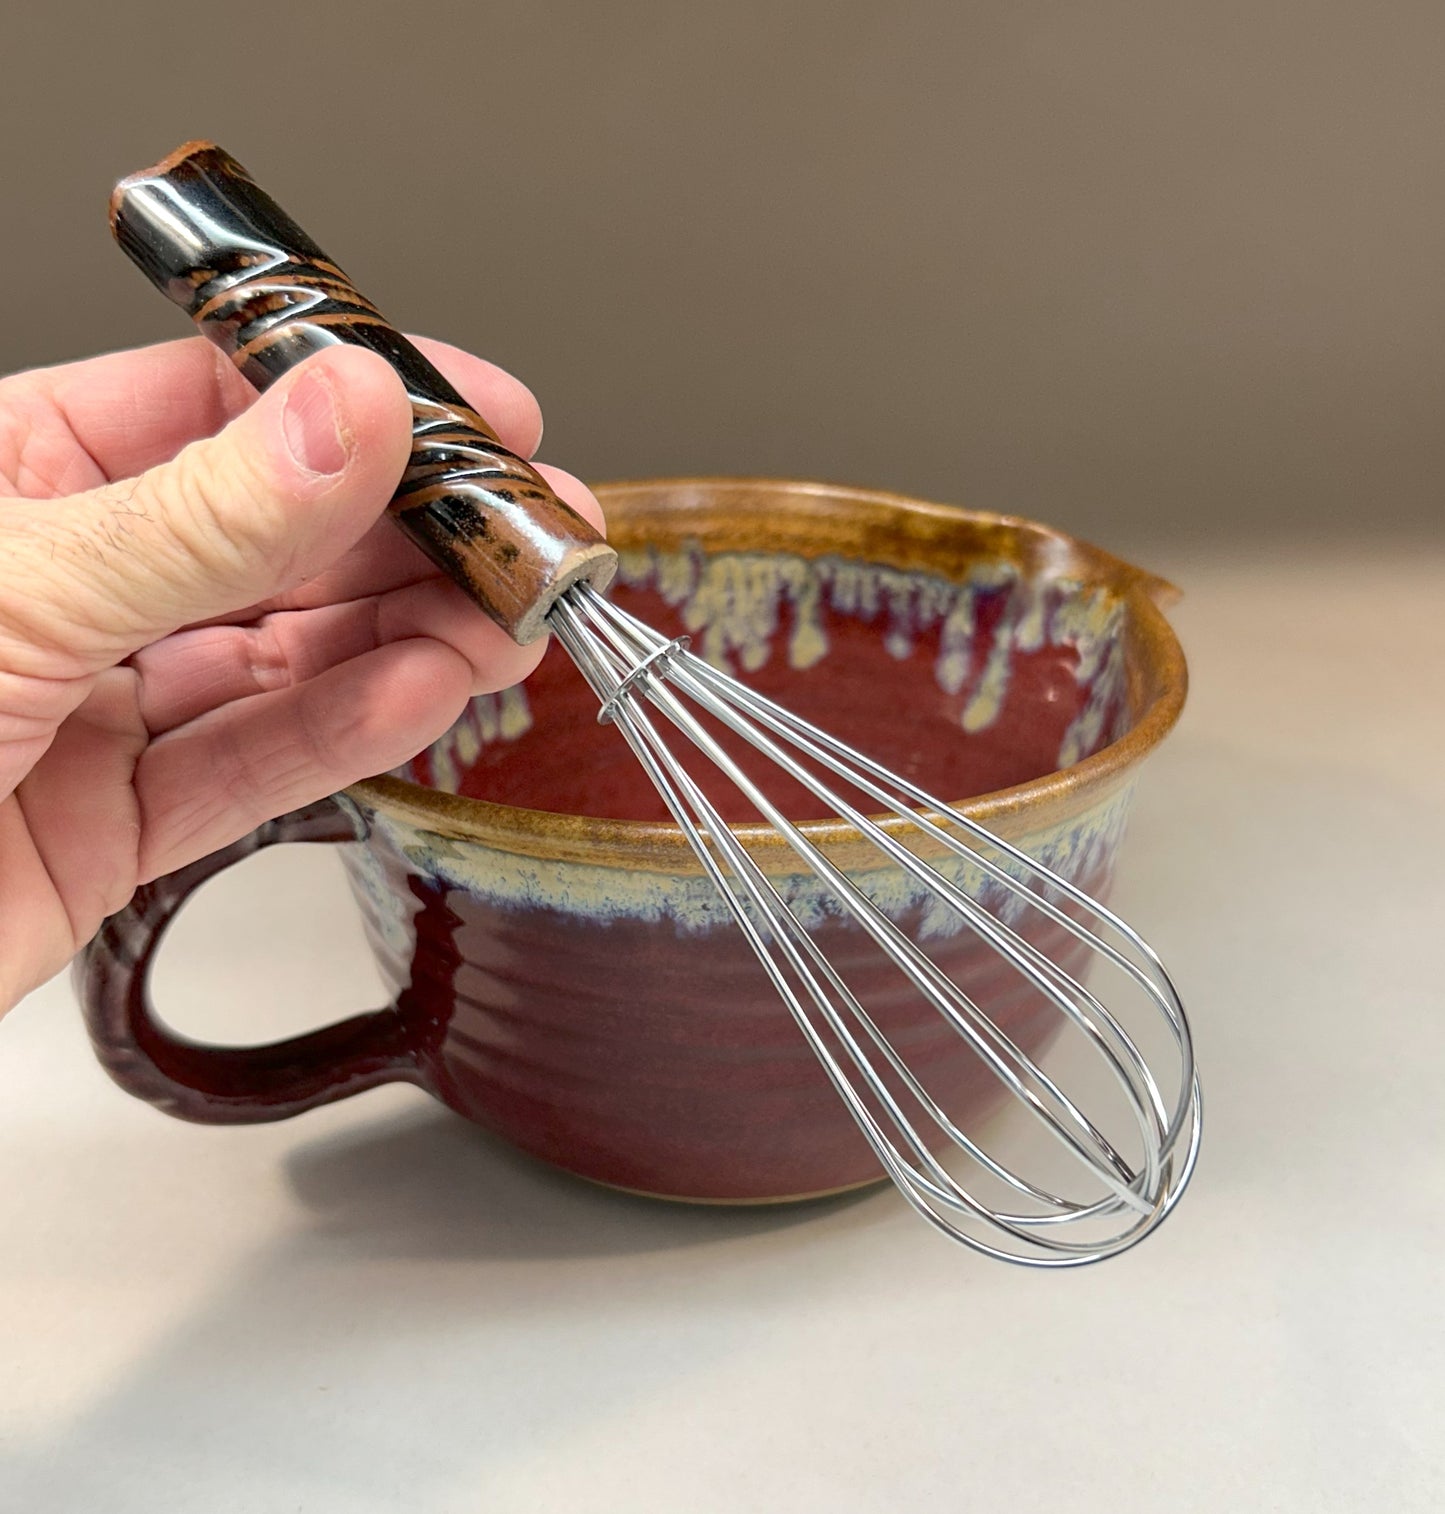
column 214, row 242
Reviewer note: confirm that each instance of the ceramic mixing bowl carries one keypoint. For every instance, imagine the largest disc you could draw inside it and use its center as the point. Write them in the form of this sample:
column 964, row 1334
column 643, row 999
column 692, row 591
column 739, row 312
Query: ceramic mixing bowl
column 563, row 972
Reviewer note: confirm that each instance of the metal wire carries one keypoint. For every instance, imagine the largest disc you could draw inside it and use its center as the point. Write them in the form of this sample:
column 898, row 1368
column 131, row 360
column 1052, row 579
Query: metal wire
column 634, row 671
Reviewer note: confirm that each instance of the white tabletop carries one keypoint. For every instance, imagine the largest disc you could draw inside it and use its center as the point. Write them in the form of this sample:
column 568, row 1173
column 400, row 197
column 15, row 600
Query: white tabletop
column 375, row 1307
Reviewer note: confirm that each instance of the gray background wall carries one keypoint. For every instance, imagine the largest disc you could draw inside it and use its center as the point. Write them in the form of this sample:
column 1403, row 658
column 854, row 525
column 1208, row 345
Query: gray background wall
column 1144, row 270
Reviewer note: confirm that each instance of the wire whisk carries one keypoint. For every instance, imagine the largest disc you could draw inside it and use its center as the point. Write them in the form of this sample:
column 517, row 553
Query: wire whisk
column 634, row 670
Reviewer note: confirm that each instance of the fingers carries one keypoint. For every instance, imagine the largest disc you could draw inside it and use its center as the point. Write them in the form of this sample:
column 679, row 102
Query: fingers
column 198, row 670
column 252, row 733
column 130, row 411
column 80, row 807
column 220, row 776
column 504, row 402
column 193, row 672
column 384, row 559
column 69, row 835
column 87, row 423
column 283, row 490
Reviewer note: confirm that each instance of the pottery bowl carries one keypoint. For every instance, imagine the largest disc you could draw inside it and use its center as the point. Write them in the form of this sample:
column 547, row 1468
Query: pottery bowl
column 564, row 973
column 583, row 990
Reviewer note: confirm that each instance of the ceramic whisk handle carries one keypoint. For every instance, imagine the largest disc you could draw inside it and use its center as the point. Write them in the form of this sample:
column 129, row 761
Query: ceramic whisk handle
column 210, row 239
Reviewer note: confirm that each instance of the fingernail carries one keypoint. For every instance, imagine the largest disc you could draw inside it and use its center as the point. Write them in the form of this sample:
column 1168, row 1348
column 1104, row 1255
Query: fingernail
column 312, row 429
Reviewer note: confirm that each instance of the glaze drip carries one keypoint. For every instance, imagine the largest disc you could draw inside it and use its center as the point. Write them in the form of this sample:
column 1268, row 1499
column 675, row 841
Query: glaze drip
column 748, row 612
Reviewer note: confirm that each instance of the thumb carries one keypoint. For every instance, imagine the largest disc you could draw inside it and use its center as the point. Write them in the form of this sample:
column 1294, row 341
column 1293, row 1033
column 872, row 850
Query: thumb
column 287, row 487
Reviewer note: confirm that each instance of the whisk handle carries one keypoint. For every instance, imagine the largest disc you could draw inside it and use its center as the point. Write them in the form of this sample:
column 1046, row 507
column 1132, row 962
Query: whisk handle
column 216, row 244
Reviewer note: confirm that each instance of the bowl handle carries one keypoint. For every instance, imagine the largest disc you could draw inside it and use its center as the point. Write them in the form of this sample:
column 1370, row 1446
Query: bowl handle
column 226, row 1085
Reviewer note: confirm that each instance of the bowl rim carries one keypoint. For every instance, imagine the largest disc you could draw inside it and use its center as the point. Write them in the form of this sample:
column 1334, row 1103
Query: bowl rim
column 1017, row 811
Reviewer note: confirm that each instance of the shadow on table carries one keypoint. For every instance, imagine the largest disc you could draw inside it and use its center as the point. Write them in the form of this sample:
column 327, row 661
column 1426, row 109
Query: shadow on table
column 430, row 1185
column 422, row 1320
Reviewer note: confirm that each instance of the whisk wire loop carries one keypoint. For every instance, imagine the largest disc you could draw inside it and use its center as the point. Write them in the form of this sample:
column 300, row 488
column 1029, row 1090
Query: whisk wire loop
column 626, row 661
column 869, row 777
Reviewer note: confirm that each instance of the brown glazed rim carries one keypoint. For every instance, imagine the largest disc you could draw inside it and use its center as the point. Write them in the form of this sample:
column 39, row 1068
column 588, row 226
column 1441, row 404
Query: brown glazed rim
column 876, row 526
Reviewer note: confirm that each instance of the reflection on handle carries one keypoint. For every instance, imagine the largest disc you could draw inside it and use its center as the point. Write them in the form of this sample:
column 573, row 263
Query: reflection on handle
column 219, row 1085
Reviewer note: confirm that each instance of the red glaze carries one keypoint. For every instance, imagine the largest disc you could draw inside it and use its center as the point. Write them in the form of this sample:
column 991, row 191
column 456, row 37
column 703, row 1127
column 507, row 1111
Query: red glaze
column 894, row 711
column 663, row 1063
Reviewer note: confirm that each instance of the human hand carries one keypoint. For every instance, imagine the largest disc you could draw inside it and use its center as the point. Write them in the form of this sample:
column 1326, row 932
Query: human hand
column 198, row 635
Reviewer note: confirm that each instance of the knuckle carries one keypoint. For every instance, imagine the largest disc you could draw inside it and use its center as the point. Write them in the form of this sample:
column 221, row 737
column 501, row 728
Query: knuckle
column 216, row 508
column 328, row 736
column 37, row 454
column 268, row 659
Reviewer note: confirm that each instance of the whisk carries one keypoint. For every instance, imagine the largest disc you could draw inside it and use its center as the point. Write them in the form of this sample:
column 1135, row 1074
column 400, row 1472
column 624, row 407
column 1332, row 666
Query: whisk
column 217, row 245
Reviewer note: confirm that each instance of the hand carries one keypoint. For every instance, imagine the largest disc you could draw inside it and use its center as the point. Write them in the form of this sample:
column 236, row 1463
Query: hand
column 198, row 635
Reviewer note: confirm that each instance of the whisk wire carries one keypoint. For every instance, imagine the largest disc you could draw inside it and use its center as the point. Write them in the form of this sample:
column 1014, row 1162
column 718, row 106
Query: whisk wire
column 988, row 1040
column 871, row 778
column 625, row 661
column 831, row 752
column 705, row 828
column 1037, row 968
column 792, row 940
